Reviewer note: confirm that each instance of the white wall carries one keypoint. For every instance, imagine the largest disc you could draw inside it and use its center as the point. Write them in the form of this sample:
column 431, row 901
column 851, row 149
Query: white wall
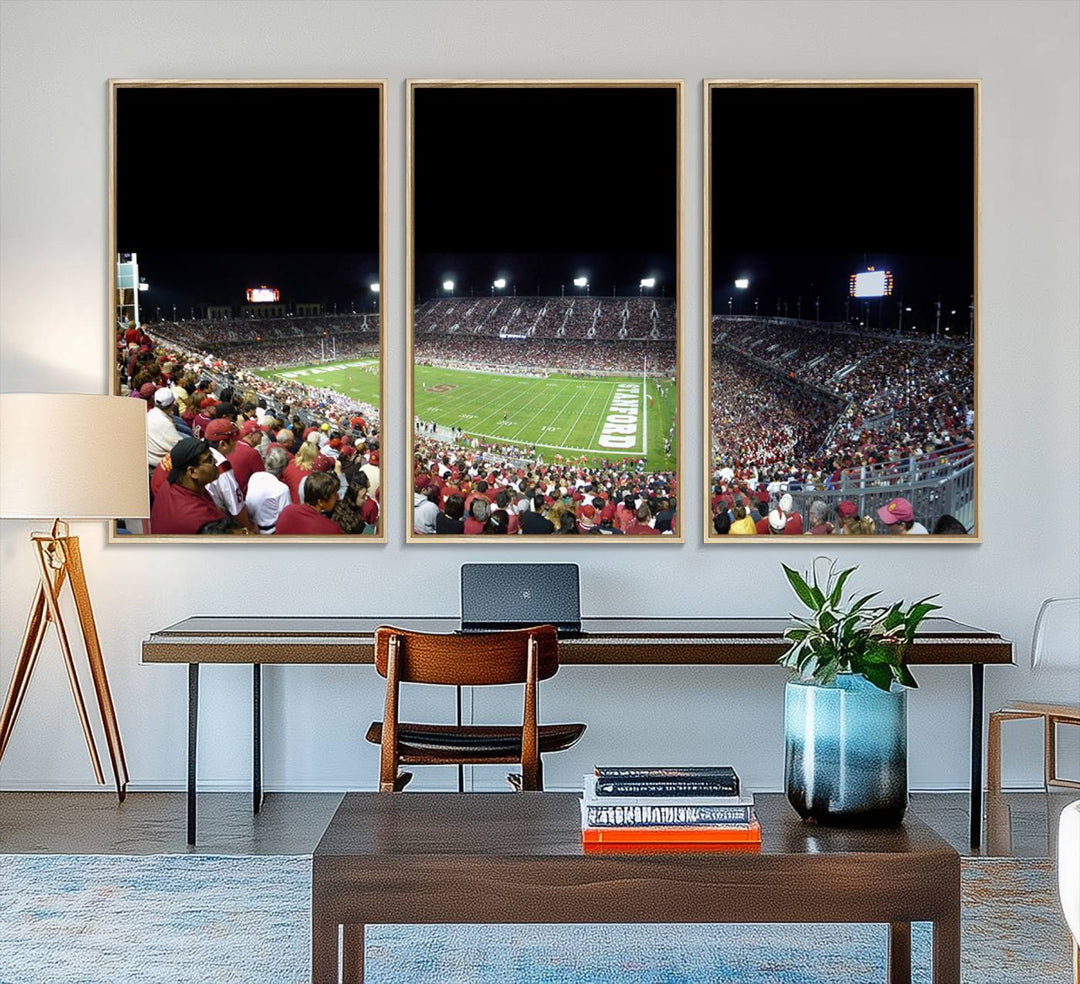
column 55, row 59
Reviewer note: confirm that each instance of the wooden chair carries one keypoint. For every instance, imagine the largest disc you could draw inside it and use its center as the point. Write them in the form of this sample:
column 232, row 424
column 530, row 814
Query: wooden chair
column 485, row 659
column 1055, row 644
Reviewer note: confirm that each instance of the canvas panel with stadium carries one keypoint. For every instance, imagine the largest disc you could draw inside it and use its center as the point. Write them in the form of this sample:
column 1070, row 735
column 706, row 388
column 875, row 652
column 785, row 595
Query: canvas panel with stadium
column 247, row 263
column 841, row 272
column 544, row 334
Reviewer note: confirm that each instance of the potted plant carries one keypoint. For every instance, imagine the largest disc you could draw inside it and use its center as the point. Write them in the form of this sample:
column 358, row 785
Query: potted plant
column 845, row 714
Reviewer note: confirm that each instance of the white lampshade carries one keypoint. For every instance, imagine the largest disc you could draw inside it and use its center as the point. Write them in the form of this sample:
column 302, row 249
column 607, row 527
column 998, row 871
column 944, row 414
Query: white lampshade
column 91, row 452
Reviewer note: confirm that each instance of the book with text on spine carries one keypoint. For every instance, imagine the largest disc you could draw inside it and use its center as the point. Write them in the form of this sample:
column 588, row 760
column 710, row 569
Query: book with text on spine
column 719, row 780
column 666, row 816
column 734, row 834
column 717, row 799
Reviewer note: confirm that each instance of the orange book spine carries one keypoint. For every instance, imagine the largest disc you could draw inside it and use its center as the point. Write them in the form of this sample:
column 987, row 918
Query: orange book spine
column 750, row 834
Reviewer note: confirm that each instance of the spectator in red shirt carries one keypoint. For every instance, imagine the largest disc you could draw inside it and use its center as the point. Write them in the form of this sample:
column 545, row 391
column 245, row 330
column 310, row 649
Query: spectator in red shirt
column 312, row 517
column 641, row 522
column 245, row 460
column 478, row 518
column 183, row 506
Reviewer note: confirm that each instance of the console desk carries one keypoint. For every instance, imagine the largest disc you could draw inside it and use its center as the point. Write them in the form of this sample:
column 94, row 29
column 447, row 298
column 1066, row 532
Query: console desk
column 260, row 640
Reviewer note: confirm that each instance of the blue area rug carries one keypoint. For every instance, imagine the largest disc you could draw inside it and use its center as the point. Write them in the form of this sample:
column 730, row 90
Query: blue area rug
column 246, row 920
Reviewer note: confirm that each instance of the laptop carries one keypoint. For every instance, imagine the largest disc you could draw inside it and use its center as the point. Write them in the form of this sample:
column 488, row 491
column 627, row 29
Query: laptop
column 496, row 597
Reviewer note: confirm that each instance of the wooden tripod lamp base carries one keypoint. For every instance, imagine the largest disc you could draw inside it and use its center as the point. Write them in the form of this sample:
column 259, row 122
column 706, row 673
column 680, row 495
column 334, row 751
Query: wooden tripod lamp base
column 58, row 560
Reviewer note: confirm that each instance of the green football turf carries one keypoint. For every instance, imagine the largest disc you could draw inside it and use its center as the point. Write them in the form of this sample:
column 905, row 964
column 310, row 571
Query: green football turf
column 350, row 377
column 560, row 414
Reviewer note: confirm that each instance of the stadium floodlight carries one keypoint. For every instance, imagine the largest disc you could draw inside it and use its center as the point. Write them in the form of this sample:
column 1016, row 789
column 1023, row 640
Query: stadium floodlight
column 581, row 281
column 374, row 288
column 742, row 283
column 448, row 285
column 499, row 284
column 647, row 282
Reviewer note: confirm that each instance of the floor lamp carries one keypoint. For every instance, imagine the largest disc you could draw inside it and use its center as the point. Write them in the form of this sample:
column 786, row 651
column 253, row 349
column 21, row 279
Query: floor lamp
column 103, row 475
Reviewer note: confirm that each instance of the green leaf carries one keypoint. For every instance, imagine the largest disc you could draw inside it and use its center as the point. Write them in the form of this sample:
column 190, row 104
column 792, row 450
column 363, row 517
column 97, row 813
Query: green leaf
column 800, row 587
column 837, row 592
column 903, row 675
column 862, row 601
column 894, row 617
column 880, row 676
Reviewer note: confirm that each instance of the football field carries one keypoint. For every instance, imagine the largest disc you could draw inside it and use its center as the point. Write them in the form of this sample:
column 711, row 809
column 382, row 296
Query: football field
column 358, row 378
column 609, row 417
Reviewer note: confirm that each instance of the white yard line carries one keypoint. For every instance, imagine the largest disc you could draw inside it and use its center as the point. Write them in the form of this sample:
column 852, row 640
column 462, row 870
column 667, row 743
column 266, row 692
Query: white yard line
column 600, row 422
column 584, row 407
column 644, row 411
column 513, row 440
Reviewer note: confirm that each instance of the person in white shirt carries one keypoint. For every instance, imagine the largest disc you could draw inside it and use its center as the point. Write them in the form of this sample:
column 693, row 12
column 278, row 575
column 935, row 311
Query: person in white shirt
column 161, row 432
column 267, row 495
column 225, row 490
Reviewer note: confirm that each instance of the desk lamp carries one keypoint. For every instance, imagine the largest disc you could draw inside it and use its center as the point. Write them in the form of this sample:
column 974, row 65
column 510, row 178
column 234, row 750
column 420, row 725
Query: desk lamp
column 102, row 474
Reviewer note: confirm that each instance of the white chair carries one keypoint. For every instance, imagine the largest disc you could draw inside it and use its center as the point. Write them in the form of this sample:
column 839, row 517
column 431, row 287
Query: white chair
column 1069, row 875
column 1055, row 645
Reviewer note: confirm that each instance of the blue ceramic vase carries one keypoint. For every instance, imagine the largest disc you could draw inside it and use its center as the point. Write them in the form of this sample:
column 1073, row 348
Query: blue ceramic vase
column 846, row 751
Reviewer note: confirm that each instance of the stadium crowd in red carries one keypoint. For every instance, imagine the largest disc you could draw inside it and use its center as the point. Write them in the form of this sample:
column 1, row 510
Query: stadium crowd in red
column 492, row 490
column 542, row 356
column 800, row 407
column 230, row 452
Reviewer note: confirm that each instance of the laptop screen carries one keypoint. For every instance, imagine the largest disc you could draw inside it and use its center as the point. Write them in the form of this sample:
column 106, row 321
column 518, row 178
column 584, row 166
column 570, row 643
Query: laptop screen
column 495, row 596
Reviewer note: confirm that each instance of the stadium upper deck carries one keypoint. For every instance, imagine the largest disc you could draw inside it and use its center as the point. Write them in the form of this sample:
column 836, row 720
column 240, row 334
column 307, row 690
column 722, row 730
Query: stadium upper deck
column 575, row 318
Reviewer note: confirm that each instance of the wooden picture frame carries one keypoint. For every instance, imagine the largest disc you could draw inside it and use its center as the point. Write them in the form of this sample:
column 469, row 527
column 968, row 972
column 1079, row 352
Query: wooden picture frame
column 227, row 198
column 556, row 256
column 818, row 194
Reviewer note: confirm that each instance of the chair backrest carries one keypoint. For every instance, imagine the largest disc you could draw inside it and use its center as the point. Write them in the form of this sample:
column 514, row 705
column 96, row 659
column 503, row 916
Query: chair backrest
column 468, row 660
column 1055, row 643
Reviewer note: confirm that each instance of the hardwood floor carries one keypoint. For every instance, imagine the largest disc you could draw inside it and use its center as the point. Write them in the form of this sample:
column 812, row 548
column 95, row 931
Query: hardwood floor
column 1021, row 824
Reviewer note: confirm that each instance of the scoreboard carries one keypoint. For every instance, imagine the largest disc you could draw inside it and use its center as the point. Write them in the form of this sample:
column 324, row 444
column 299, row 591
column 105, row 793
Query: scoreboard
column 871, row 283
column 263, row 294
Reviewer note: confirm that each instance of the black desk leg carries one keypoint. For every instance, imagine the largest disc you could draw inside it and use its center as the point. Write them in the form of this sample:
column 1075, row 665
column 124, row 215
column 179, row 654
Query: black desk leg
column 192, row 747
column 461, row 767
column 976, row 752
column 256, row 738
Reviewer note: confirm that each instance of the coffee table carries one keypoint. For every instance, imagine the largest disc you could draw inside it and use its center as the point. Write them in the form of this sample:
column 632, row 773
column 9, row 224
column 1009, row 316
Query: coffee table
column 428, row 858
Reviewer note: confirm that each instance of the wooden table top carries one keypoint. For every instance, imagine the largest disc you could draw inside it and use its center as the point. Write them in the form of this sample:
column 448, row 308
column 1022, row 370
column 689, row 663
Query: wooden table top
column 547, row 825
column 616, row 640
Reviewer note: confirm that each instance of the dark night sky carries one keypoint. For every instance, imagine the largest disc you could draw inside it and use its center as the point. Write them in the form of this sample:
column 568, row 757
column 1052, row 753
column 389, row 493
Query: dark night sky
column 544, row 184
column 811, row 185
column 226, row 188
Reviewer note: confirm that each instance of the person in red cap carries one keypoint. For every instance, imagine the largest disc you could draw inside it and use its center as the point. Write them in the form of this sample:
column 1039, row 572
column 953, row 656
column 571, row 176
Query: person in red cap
column 312, row 517
column 899, row 517
column 245, row 460
column 225, row 490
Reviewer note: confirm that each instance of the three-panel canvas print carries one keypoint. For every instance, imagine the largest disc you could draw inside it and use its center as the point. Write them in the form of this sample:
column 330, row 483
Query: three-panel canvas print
column 543, row 323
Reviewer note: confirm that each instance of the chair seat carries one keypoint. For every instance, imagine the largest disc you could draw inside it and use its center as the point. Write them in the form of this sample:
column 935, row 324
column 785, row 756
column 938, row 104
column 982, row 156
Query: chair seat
column 473, row 743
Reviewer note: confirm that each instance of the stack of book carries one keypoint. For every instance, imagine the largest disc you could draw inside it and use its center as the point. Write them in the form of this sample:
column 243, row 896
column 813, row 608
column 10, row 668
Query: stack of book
column 678, row 806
